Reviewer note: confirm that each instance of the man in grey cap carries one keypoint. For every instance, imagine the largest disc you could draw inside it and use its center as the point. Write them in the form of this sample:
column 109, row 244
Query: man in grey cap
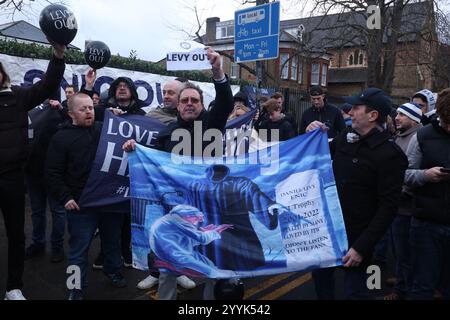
column 369, row 169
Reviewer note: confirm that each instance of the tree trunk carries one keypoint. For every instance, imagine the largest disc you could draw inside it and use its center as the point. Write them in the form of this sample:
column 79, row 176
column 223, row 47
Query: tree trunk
column 391, row 47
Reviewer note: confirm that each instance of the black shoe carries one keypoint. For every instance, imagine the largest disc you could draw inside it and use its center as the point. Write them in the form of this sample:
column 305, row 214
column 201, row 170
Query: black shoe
column 117, row 280
column 76, row 294
column 57, row 255
column 128, row 261
column 98, row 263
column 34, row 251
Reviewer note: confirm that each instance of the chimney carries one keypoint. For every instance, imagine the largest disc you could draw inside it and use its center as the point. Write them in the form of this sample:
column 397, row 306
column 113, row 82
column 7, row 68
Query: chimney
column 211, row 29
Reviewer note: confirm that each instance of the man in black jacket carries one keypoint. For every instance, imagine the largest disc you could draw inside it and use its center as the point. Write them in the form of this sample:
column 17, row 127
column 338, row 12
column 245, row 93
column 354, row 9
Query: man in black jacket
column 321, row 113
column 369, row 170
column 15, row 102
column 277, row 123
column 429, row 173
column 45, row 121
column 122, row 98
column 69, row 160
column 122, row 95
column 192, row 115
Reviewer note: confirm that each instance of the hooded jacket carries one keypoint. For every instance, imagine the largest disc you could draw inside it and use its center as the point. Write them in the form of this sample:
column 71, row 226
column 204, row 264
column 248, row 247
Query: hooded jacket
column 242, row 96
column 430, row 113
column 15, row 102
column 431, row 101
column 133, row 108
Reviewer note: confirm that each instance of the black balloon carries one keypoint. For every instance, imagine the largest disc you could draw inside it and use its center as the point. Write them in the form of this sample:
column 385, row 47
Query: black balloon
column 58, row 23
column 229, row 289
column 97, row 54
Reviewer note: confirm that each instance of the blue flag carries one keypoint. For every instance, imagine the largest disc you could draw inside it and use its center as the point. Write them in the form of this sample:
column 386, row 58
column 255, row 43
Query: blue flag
column 252, row 93
column 267, row 212
column 108, row 183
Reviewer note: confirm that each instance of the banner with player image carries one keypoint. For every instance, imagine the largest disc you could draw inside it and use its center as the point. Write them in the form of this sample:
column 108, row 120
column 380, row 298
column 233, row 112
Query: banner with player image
column 267, row 212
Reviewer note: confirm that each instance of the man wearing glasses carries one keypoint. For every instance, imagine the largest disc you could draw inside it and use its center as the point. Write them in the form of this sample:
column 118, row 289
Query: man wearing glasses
column 191, row 111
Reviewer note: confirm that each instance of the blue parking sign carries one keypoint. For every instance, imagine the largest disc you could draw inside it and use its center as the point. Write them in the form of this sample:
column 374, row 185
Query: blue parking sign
column 256, row 32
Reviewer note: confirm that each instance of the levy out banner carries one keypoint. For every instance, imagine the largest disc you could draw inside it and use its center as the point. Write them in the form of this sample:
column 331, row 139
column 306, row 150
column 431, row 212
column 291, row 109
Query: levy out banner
column 26, row 71
column 109, row 184
column 189, row 55
column 268, row 212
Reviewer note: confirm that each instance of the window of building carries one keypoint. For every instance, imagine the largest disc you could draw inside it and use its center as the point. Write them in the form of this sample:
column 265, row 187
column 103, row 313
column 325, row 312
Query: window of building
column 284, row 66
column 224, row 31
column 315, row 73
column 300, row 71
column 294, row 68
column 324, row 75
column 234, row 72
column 356, row 58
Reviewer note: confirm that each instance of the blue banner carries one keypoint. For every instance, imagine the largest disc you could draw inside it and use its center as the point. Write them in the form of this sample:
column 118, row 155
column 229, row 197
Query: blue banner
column 251, row 94
column 109, row 183
column 267, row 212
column 238, row 135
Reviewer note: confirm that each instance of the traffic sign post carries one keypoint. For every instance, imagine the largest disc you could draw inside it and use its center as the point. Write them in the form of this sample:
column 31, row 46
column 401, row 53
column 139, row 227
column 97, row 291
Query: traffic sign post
column 256, row 33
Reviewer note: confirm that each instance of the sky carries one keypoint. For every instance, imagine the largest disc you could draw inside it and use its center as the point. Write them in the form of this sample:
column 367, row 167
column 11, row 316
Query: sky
column 151, row 27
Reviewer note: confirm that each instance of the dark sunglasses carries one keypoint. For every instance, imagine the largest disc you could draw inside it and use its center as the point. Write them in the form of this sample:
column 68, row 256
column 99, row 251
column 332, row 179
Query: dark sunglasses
column 186, row 100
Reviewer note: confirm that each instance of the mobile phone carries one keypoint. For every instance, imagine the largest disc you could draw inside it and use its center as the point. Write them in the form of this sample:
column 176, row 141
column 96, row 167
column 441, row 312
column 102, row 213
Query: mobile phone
column 445, row 170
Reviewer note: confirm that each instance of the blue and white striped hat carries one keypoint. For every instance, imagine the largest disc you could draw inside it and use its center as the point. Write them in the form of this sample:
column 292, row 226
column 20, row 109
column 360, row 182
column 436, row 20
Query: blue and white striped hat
column 411, row 110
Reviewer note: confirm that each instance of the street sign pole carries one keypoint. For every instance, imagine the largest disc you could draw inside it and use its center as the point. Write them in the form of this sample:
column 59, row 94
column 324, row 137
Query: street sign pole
column 259, row 69
column 257, row 36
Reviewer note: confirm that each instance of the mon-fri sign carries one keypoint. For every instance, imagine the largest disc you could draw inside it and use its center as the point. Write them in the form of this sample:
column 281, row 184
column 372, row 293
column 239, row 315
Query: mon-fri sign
column 257, row 32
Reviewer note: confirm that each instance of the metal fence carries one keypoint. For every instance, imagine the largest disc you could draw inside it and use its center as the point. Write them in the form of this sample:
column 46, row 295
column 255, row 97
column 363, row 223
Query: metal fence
column 297, row 101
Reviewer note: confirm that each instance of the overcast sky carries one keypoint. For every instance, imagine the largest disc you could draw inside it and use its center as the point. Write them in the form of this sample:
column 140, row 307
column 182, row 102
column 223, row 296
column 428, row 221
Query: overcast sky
column 151, row 27
column 147, row 26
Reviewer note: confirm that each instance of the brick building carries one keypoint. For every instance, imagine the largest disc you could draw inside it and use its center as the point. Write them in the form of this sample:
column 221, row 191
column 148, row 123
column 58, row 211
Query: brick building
column 326, row 50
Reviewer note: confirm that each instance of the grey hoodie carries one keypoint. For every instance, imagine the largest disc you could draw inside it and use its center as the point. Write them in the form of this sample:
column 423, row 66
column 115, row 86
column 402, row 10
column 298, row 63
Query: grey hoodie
column 431, row 101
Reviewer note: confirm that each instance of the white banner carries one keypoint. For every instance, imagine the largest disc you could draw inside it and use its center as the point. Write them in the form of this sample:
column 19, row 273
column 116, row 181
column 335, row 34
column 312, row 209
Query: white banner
column 25, row 71
column 194, row 60
column 189, row 55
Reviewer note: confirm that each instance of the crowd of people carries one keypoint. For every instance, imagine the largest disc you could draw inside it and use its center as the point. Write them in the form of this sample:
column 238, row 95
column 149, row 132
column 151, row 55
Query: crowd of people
column 391, row 165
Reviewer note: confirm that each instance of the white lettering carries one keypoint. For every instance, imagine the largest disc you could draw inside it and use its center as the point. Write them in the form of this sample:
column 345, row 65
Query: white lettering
column 109, row 156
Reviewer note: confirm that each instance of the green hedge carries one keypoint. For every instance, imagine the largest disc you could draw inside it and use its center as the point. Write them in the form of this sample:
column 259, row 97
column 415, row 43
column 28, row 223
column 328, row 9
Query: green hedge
column 37, row 51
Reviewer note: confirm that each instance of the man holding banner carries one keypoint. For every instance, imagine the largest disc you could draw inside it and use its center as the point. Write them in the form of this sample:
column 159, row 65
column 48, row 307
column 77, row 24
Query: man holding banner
column 191, row 111
column 123, row 98
column 167, row 114
column 69, row 161
column 369, row 169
